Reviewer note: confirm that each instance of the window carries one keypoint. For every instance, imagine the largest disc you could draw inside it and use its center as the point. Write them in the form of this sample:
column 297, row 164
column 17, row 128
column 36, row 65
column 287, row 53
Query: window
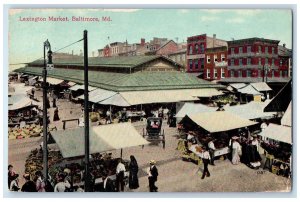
column 201, row 48
column 248, row 61
column 240, row 49
column 240, row 61
column 222, row 57
column 232, row 50
column 202, row 63
column 232, row 62
column 259, row 49
column 196, row 48
column 208, row 73
column 248, row 73
column 190, row 49
column 215, row 73
column 222, row 73
column 231, row 73
column 191, row 64
column 208, row 59
column 196, row 64
column 248, row 49
column 273, row 50
column 215, row 58
column 266, row 49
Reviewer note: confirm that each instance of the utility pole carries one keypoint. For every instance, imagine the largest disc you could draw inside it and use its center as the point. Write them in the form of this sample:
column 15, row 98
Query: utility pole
column 86, row 112
column 45, row 114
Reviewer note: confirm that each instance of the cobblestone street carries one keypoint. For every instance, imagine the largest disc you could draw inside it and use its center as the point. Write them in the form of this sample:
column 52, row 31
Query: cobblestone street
column 175, row 175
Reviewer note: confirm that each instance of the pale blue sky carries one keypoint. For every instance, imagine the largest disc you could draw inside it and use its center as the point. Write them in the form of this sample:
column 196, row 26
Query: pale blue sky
column 26, row 38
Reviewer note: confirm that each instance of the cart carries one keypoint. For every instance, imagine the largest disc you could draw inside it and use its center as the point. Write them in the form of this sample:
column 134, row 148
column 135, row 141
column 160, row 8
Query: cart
column 153, row 131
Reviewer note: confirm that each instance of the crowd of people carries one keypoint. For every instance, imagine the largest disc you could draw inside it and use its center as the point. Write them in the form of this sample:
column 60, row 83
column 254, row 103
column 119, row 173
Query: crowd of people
column 64, row 183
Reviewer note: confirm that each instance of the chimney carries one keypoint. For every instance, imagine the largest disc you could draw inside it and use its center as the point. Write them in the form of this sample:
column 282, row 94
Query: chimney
column 214, row 40
column 142, row 41
column 284, row 45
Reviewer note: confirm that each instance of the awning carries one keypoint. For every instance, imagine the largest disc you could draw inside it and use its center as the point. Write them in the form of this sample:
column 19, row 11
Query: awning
column 52, row 81
column 20, row 102
column 116, row 100
column 251, row 110
column 238, row 85
column 99, row 95
column 261, row 86
column 71, row 83
column 287, row 117
column 192, row 108
column 278, row 132
column 167, row 96
column 18, row 88
column 102, row 138
column 249, row 90
column 219, row 121
column 77, row 87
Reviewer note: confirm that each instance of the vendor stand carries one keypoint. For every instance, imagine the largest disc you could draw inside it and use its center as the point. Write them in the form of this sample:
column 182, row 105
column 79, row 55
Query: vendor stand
column 217, row 126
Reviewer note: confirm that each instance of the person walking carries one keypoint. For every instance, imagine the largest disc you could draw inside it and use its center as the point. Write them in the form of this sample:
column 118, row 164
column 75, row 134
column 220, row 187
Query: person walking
column 56, row 116
column 212, row 149
column 236, row 150
column 133, row 171
column 29, row 185
column 62, row 184
column 152, row 176
column 206, row 160
column 40, row 182
column 54, row 101
column 120, row 176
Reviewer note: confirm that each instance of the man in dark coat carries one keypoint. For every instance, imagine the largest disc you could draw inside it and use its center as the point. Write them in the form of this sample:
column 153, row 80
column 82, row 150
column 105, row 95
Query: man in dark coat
column 29, row 185
column 107, row 185
column 152, row 176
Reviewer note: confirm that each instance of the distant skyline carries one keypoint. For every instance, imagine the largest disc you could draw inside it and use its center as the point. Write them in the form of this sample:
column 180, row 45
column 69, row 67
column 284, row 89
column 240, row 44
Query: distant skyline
column 26, row 37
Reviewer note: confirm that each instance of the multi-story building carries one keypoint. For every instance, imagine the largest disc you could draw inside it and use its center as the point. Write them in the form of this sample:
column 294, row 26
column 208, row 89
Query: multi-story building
column 207, row 56
column 254, row 57
column 285, row 61
column 179, row 57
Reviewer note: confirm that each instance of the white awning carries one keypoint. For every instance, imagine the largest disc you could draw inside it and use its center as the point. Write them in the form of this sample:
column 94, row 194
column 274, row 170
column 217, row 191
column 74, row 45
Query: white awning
column 77, row 87
column 20, row 102
column 99, row 95
column 287, row 117
column 18, row 88
column 278, row 132
column 219, row 121
column 192, row 108
column 116, row 100
column 54, row 81
column 102, row 138
column 251, row 110
column 167, row 96
column 238, row 85
column 261, row 86
column 71, row 83
column 249, row 90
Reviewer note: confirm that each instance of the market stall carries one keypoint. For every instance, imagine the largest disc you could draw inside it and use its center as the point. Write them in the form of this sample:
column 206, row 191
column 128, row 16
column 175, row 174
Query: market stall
column 217, row 126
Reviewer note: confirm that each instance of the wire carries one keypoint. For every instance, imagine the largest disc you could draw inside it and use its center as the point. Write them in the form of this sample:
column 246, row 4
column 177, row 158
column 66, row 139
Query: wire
column 53, row 52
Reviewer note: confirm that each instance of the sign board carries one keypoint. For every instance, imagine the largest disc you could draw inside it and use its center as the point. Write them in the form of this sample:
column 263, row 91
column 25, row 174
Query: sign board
column 50, row 67
column 221, row 64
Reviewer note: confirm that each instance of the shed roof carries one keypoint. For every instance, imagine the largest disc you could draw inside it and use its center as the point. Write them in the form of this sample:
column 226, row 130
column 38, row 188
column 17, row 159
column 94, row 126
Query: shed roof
column 194, row 108
column 139, row 81
column 102, row 138
column 261, row 86
column 278, row 132
column 219, row 121
column 249, row 90
column 99, row 95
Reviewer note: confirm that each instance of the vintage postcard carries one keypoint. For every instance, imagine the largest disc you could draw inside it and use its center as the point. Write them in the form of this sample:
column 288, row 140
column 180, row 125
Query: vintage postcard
column 150, row 100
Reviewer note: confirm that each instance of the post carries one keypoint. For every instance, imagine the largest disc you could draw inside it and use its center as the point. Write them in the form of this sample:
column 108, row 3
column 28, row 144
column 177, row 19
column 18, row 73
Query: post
column 86, row 113
column 45, row 118
column 264, row 73
column 110, row 113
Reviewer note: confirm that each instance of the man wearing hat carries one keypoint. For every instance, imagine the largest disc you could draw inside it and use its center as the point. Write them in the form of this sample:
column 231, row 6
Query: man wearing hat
column 152, row 176
column 205, row 159
column 29, row 185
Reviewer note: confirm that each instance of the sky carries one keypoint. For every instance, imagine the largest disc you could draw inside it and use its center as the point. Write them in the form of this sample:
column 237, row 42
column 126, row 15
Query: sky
column 26, row 37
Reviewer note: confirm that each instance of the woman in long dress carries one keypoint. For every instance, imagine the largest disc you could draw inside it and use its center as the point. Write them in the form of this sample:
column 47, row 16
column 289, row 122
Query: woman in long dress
column 56, row 116
column 236, row 149
column 133, row 171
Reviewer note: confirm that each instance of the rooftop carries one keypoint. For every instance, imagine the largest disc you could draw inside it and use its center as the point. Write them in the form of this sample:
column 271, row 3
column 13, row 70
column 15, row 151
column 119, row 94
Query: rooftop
column 252, row 40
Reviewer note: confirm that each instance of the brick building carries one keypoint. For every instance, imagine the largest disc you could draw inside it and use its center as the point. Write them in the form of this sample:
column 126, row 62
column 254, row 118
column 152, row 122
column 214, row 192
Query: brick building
column 254, row 57
column 207, row 56
column 285, row 61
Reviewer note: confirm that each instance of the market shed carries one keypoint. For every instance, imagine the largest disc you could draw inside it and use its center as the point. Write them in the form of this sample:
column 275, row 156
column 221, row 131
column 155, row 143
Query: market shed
column 102, row 138
column 278, row 132
column 193, row 108
column 218, row 121
column 251, row 110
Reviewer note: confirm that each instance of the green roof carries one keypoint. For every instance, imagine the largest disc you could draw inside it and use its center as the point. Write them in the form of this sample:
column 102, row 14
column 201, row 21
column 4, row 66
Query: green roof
column 147, row 80
column 120, row 61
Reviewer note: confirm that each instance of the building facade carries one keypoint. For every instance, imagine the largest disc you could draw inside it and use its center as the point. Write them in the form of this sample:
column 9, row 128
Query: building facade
column 254, row 57
column 207, row 56
column 179, row 57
